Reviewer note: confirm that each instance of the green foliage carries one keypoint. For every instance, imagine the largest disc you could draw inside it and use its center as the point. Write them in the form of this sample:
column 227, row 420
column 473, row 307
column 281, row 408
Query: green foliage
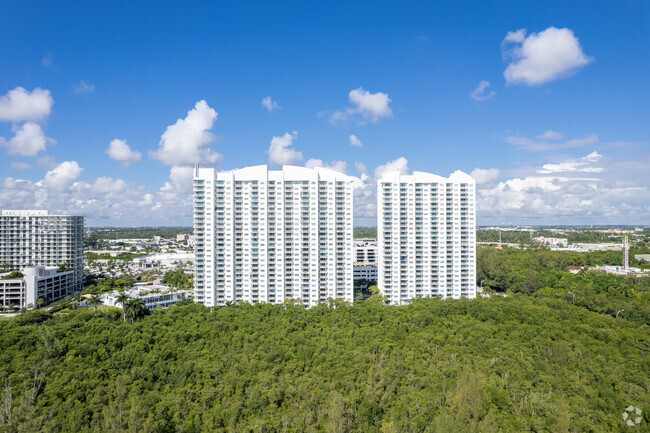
column 544, row 273
column 365, row 232
column 15, row 275
column 178, row 279
column 510, row 364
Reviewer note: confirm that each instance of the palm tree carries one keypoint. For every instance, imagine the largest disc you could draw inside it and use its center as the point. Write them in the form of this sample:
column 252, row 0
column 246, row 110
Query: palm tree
column 134, row 308
column 40, row 302
column 122, row 299
column 95, row 300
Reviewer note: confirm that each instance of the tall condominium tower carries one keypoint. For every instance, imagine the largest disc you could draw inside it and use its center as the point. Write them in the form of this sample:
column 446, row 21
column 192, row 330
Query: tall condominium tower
column 271, row 236
column 36, row 238
column 427, row 236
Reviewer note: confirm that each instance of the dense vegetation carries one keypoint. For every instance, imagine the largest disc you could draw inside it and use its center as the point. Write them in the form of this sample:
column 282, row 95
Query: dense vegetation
column 543, row 273
column 510, row 364
column 365, row 232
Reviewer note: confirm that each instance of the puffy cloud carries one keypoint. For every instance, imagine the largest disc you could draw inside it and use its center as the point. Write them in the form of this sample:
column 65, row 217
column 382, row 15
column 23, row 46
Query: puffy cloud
column 83, row 87
column 20, row 105
column 370, row 106
column 20, row 166
column 119, row 150
column 340, row 166
column 594, row 189
column 542, row 57
column 29, row 139
column 481, row 175
column 181, row 181
column 354, row 141
column 481, row 92
column 365, row 189
column 361, row 167
column 270, row 104
column 549, row 141
column 187, row 141
column 62, row 176
column 400, row 165
column 280, row 152
column 104, row 201
column 571, row 166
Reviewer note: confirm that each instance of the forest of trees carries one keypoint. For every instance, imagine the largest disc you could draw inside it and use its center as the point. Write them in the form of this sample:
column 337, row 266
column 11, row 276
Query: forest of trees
column 558, row 353
column 520, row 363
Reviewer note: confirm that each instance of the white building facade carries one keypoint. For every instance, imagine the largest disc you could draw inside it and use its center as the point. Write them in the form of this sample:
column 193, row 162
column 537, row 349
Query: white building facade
column 272, row 235
column 427, row 236
column 37, row 238
column 37, row 282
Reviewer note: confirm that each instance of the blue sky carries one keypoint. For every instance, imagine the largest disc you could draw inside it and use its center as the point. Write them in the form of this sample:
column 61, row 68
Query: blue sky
column 115, row 70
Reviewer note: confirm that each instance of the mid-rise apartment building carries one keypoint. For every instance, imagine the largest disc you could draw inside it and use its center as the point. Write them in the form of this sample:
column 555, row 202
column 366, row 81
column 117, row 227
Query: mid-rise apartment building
column 272, row 235
column 427, row 236
column 37, row 238
column 365, row 250
column 37, row 282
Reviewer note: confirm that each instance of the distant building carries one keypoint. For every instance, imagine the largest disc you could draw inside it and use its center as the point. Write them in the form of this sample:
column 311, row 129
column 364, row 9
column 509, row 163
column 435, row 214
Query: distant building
column 554, row 242
column 427, row 236
column 152, row 295
column 183, row 237
column 37, row 238
column 163, row 259
column 365, row 271
column 365, row 250
column 272, row 235
column 38, row 282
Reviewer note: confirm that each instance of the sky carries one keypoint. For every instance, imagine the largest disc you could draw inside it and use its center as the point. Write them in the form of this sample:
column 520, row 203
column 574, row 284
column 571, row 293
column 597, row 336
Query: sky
column 106, row 106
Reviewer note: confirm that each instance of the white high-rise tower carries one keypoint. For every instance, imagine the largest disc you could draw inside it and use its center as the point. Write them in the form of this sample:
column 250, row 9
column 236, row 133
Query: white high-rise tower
column 427, row 236
column 271, row 236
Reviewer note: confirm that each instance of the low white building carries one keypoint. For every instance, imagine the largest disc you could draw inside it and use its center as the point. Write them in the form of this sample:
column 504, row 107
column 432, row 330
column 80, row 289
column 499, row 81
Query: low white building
column 152, row 295
column 37, row 282
column 554, row 242
column 365, row 250
column 365, row 271
column 164, row 259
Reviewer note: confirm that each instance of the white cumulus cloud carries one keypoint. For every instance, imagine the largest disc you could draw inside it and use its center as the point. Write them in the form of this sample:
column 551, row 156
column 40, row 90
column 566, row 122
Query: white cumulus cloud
column 481, row 93
column 187, row 141
column 120, row 151
column 270, row 104
column 542, row 57
column 369, row 106
column 20, row 105
column 400, row 164
column 598, row 189
column 482, row 175
column 28, row 140
column 354, row 141
column 62, row 176
column 340, row 166
column 280, row 151
column 181, row 181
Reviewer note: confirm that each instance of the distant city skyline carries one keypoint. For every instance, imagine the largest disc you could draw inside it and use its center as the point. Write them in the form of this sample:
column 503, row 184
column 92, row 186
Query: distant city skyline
column 106, row 108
